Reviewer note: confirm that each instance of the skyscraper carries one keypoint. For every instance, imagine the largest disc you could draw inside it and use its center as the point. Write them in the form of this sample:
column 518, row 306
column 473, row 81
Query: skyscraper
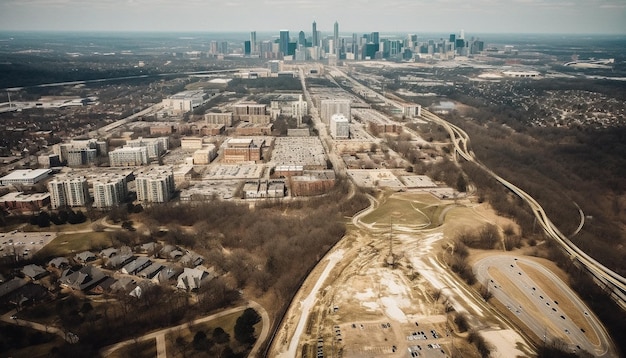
column 283, row 44
column 336, row 39
column 315, row 38
column 375, row 37
column 301, row 38
column 253, row 45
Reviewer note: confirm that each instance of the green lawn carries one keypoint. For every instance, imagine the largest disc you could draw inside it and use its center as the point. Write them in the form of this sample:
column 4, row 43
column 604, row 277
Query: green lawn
column 67, row 244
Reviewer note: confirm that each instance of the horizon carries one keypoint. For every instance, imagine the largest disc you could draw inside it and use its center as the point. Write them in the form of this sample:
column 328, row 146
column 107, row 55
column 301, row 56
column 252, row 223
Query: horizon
column 603, row 17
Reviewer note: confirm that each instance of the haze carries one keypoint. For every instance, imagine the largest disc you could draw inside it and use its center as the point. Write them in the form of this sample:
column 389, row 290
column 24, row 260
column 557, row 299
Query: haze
column 481, row 16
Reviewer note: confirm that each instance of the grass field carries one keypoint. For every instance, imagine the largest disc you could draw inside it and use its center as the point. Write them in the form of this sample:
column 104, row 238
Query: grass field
column 419, row 211
column 66, row 244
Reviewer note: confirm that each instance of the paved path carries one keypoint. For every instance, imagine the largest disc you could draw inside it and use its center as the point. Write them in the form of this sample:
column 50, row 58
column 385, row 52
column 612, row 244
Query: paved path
column 160, row 334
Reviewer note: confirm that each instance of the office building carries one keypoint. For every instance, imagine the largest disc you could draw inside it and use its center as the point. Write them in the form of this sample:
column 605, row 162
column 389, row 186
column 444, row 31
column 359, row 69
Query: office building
column 301, row 38
column 251, row 112
column 25, row 176
column 315, row 38
column 283, row 42
column 253, row 44
column 68, row 191
column 247, row 48
column 128, row 157
column 241, row 150
column 109, row 191
column 336, row 45
column 155, row 186
column 19, row 201
column 219, row 118
column 184, row 101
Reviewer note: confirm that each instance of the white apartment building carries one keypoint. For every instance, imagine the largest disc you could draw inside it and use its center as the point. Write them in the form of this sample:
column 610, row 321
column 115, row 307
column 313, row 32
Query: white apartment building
column 328, row 107
column 128, row 157
column 109, row 192
column 155, row 146
column 339, row 126
column 155, row 186
column 68, row 191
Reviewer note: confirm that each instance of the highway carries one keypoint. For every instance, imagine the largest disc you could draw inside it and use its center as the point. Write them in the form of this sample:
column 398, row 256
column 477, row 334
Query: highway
column 601, row 274
column 538, row 310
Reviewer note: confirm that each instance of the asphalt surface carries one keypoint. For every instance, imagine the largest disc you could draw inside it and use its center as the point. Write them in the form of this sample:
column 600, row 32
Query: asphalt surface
column 545, row 307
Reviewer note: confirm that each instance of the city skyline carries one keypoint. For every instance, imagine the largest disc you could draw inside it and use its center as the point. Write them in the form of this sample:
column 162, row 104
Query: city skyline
column 482, row 16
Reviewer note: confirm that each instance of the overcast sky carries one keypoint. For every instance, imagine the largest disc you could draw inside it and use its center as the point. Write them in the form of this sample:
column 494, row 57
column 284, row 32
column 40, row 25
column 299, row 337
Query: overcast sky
column 415, row 16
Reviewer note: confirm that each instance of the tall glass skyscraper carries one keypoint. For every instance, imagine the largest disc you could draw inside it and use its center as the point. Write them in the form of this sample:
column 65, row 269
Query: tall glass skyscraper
column 314, row 38
column 283, row 44
column 336, row 39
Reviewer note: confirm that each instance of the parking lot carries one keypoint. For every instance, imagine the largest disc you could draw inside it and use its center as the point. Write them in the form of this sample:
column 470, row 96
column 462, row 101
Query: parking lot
column 377, row 339
column 22, row 245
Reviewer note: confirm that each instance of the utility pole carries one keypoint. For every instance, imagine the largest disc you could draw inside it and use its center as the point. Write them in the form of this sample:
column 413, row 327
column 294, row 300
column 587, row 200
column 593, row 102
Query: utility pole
column 390, row 260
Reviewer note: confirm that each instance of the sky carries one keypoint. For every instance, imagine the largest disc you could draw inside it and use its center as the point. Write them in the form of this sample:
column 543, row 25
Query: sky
column 412, row 16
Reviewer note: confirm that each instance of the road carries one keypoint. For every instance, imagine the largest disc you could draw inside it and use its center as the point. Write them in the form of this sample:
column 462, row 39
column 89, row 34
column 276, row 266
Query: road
column 601, row 274
column 539, row 311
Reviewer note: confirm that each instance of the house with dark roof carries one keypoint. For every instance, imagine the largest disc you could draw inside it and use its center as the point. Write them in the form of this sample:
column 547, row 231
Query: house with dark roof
column 35, row 272
column 59, row 262
column 84, row 279
column 191, row 259
column 120, row 260
column 136, row 265
column 193, row 278
column 108, row 253
column 166, row 274
column 85, row 256
column 150, row 271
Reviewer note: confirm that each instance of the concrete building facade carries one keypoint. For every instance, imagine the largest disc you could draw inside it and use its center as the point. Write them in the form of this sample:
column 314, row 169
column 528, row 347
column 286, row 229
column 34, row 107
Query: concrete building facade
column 68, row 191
column 128, row 157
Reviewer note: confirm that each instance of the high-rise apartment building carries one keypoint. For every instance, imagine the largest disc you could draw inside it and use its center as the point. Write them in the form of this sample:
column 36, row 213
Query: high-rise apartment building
column 109, row 191
column 77, row 157
column 68, row 191
column 328, row 107
column 155, row 146
column 339, row 126
column 155, row 186
column 128, row 157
